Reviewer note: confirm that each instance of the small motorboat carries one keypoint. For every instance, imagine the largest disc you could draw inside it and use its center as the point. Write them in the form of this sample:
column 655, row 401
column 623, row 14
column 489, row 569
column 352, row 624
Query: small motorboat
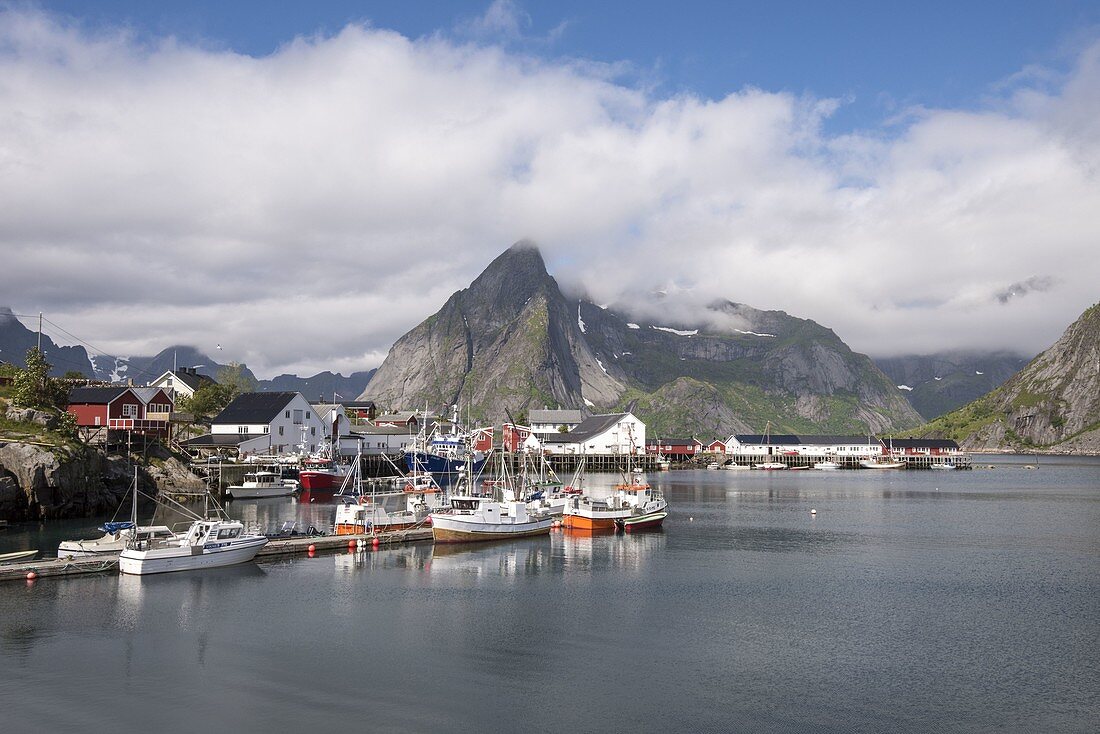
column 27, row 555
column 826, row 466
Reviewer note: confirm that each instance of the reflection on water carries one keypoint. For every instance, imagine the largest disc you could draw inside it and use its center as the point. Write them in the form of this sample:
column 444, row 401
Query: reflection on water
column 914, row 601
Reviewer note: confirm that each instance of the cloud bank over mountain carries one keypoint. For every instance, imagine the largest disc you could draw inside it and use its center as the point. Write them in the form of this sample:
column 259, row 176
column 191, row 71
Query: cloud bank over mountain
column 305, row 208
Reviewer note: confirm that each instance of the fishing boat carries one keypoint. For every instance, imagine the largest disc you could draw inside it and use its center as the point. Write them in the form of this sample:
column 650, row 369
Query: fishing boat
column 586, row 513
column 318, row 479
column 113, row 541
column 941, row 466
column 770, row 466
column 472, row 519
column 17, row 556
column 260, row 485
column 444, row 455
column 648, row 508
column 361, row 512
column 827, row 465
column 213, row 540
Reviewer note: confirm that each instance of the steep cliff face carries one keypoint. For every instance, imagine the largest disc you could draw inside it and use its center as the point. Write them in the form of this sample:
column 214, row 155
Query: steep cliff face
column 1053, row 403
column 508, row 342
column 512, row 341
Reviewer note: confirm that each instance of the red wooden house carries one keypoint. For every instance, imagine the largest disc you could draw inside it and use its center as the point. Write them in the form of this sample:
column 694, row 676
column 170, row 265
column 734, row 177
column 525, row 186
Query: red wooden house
column 716, row 447
column 513, row 436
column 483, row 439
column 676, row 449
column 122, row 408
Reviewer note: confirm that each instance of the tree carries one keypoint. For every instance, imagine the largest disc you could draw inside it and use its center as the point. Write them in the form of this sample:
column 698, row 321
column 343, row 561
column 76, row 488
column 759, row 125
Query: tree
column 209, row 400
column 233, row 377
column 34, row 388
column 74, row 375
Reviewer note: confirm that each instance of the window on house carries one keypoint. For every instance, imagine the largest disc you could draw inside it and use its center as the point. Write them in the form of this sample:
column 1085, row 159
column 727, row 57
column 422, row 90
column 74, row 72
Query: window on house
column 129, row 410
column 313, row 431
column 267, row 429
column 288, row 414
column 297, row 417
column 280, row 430
column 307, row 415
column 242, row 429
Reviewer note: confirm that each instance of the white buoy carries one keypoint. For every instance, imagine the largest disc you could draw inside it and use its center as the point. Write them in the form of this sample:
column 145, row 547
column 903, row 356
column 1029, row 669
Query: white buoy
column 691, row 519
column 813, row 512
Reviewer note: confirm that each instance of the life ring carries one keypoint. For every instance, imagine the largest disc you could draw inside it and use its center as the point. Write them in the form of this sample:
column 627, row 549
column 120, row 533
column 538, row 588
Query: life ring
column 363, row 499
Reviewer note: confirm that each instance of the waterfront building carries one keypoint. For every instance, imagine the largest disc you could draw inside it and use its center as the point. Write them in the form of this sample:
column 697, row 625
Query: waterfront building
column 747, row 444
column 614, row 433
column 117, row 408
column 674, row 449
column 923, row 447
column 268, row 423
column 375, row 440
column 546, row 422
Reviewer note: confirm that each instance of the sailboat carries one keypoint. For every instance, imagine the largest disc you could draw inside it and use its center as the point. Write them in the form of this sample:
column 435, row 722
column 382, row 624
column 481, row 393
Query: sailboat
column 883, row 461
column 769, row 465
column 213, row 540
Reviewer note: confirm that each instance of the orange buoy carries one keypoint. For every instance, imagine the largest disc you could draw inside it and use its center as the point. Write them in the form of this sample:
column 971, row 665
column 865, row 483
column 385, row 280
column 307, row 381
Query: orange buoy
column 375, row 542
column 352, row 544
column 312, row 548
column 31, row 576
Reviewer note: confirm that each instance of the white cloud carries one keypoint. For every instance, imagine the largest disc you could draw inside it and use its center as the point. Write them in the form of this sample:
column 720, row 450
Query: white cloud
column 305, row 208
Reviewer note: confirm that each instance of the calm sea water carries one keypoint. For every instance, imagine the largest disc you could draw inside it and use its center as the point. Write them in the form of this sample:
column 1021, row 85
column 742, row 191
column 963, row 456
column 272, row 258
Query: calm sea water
column 912, row 601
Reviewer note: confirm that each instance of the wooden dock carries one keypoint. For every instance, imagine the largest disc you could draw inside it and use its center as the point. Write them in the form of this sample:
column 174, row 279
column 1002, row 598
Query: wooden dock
column 277, row 547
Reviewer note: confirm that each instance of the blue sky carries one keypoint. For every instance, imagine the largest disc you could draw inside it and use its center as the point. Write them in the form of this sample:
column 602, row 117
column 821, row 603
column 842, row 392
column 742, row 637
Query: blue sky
column 879, row 57
column 916, row 176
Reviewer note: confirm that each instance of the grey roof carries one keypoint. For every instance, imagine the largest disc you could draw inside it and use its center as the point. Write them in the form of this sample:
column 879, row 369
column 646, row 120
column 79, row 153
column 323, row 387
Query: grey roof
column 253, row 408
column 401, row 416
column 145, row 394
column 787, row 439
column 193, row 380
column 557, row 417
column 218, row 439
column 587, row 429
column 922, row 443
column 94, row 395
column 368, row 430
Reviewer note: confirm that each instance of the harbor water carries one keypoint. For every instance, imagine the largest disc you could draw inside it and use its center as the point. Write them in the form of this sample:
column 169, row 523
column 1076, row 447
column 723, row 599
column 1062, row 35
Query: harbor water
column 911, row 601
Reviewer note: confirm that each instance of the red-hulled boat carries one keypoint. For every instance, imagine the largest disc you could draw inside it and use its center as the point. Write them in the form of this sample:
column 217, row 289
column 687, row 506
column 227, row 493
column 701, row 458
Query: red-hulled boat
column 319, row 480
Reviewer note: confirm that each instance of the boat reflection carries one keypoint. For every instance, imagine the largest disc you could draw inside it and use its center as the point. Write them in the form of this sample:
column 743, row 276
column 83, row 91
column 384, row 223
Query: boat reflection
column 416, row 557
column 504, row 559
column 624, row 552
column 198, row 591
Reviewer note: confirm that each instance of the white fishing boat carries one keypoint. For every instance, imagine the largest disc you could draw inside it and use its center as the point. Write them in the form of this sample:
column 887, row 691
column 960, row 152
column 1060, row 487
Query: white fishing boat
column 713, row 466
column 212, row 540
column 826, row 465
column 648, row 507
column 942, row 466
column 114, row 539
column 734, row 466
column 587, row 513
column 473, row 519
column 770, row 466
column 260, row 485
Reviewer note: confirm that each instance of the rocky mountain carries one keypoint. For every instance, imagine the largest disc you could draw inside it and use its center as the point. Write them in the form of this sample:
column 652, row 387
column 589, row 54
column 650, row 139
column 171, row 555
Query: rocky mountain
column 507, row 342
column 144, row 369
column 512, row 341
column 321, row 386
column 16, row 339
column 737, row 368
column 1051, row 404
column 935, row 384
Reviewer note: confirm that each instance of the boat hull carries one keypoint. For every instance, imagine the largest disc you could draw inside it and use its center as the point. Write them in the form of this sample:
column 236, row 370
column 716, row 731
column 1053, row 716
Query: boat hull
column 18, row 556
column 648, row 521
column 448, row 529
column 188, row 558
column 585, row 522
column 259, row 493
column 443, row 469
column 319, row 481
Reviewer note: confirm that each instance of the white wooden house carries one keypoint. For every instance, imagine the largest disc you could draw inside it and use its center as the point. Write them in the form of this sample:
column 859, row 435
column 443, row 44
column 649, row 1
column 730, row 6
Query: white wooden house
column 615, row 434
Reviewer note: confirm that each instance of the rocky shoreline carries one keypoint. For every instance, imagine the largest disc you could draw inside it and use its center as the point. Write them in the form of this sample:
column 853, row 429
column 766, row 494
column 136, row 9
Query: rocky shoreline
column 44, row 480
